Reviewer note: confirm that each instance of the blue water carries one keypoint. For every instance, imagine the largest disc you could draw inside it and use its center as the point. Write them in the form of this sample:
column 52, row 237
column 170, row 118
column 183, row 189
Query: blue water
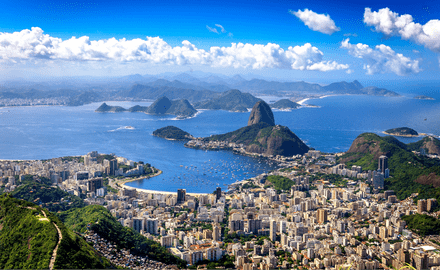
column 47, row 132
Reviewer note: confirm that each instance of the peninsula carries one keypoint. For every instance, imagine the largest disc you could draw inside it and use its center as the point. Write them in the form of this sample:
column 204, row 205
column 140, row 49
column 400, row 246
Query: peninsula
column 261, row 136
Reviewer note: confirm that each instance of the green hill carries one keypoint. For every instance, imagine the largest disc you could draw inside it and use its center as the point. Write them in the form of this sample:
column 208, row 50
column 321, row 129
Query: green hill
column 423, row 224
column 52, row 198
column 107, row 227
column 263, row 138
column 172, row 133
column 28, row 239
column 429, row 143
column 406, row 168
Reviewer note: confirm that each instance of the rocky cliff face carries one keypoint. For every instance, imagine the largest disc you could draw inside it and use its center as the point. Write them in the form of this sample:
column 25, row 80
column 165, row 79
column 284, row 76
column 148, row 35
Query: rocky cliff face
column 261, row 113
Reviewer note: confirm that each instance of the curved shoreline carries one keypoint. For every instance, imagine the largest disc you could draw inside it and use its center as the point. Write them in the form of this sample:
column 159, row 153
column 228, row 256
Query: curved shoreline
column 402, row 135
column 122, row 184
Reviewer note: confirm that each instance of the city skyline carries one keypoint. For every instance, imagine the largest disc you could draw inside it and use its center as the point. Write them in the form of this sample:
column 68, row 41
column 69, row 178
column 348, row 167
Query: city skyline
column 297, row 41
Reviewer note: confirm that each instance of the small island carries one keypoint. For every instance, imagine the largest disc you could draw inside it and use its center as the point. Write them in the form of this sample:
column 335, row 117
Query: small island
column 402, row 132
column 172, row 133
column 424, row 97
column 285, row 104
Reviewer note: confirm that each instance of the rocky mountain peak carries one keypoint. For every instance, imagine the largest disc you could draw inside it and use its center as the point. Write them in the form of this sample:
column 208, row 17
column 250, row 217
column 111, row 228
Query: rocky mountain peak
column 261, row 113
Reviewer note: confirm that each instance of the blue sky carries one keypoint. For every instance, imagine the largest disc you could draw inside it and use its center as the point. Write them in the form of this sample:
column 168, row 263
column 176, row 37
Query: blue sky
column 323, row 52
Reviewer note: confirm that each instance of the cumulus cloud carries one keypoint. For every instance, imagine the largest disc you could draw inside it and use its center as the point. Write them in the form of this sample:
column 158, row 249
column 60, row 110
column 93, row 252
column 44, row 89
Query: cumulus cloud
column 317, row 22
column 34, row 45
column 382, row 59
column 390, row 23
column 211, row 29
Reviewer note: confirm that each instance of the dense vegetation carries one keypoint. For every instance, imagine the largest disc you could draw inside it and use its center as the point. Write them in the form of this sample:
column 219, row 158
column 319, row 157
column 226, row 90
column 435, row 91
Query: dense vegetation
column 104, row 224
column 280, row 182
column 263, row 138
column 27, row 239
column 423, row 224
column 430, row 144
column 26, row 242
column 172, row 132
column 52, row 198
column 405, row 166
column 243, row 135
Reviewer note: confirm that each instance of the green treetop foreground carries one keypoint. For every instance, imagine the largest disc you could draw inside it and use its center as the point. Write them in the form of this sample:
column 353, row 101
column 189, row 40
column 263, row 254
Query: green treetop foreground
column 28, row 238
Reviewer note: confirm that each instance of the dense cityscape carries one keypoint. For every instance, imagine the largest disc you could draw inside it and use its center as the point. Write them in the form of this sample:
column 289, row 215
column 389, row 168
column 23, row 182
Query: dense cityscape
column 311, row 213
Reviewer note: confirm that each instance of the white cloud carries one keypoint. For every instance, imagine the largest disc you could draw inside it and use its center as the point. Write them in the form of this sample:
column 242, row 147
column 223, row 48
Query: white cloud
column 34, row 45
column 382, row 59
column 390, row 23
column 222, row 29
column 317, row 22
column 211, row 29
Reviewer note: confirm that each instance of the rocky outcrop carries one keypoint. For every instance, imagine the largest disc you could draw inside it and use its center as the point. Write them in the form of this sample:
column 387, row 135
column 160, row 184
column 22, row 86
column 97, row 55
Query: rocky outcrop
column 262, row 136
column 181, row 108
column 261, row 113
column 160, row 106
column 106, row 108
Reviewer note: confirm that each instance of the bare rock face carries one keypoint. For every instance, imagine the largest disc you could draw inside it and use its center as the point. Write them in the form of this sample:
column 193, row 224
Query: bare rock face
column 261, row 113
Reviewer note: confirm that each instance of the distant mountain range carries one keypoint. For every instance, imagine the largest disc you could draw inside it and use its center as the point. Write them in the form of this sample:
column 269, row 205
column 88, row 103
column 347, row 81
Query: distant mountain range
column 181, row 108
column 175, row 86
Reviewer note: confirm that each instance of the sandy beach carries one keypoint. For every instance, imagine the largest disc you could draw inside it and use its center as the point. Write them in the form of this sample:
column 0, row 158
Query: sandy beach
column 123, row 185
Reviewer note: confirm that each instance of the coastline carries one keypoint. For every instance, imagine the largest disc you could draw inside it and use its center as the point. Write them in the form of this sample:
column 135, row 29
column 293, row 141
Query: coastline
column 301, row 102
column 122, row 184
column 401, row 135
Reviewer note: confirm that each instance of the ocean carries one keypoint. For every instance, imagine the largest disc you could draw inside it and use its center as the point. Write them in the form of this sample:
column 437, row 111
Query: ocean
column 55, row 131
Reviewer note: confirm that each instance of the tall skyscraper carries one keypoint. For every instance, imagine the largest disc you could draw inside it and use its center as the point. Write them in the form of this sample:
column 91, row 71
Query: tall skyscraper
column 218, row 193
column 113, row 166
column 322, row 215
column 181, row 194
column 273, row 230
column 216, row 233
column 383, row 163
